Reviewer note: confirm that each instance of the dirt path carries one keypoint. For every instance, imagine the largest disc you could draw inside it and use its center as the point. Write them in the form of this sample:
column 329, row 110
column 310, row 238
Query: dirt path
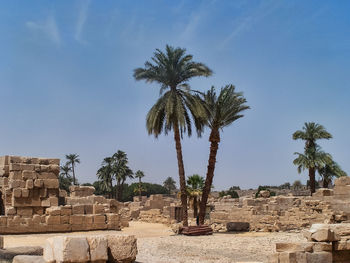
column 158, row 244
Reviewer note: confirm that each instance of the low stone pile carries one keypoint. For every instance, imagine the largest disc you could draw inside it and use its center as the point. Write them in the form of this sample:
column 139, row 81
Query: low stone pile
column 325, row 243
column 97, row 248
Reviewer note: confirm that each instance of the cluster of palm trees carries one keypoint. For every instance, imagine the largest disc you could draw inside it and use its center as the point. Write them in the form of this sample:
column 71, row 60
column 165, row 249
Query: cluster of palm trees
column 65, row 177
column 113, row 173
column 314, row 159
column 179, row 108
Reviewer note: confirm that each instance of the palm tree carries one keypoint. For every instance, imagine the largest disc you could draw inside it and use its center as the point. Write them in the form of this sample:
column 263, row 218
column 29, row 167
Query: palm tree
column 105, row 176
column 72, row 160
column 330, row 170
column 169, row 184
column 139, row 174
column 312, row 159
column 223, row 110
column 195, row 185
column 121, row 171
column 173, row 69
column 310, row 133
column 64, row 178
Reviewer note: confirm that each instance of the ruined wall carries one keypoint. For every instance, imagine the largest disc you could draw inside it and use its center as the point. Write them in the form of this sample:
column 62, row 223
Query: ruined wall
column 283, row 213
column 30, row 195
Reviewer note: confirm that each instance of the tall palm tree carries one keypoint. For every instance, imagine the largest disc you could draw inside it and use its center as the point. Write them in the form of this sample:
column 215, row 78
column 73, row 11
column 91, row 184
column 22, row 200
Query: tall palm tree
column 121, row 171
column 310, row 133
column 72, row 160
column 173, row 69
column 195, row 185
column 105, row 176
column 223, row 110
column 312, row 159
column 139, row 174
column 65, row 170
column 330, row 170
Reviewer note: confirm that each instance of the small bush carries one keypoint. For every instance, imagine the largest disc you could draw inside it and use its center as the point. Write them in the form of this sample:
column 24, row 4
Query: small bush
column 264, row 188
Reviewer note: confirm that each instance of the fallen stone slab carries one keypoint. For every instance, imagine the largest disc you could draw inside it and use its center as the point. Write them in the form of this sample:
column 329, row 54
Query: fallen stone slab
column 237, row 226
column 10, row 253
column 28, row 259
column 122, row 248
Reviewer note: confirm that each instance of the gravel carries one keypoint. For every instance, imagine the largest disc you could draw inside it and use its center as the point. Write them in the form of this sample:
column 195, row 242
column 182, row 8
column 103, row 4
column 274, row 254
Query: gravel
column 223, row 248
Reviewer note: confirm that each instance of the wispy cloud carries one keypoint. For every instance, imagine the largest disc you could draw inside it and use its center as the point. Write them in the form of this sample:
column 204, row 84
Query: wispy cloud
column 195, row 19
column 82, row 17
column 249, row 19
column 49, row 28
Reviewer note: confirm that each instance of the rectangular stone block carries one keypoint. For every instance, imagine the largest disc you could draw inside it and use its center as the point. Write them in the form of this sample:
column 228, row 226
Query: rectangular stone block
column 15, row 167
column 15, row 175
column 47, row 175
column 24, row 211
column 66, row 210
column 17, row 192
column 88, row 209
column 98, row 209
column 53, row 211
column 25, row 192
column 99, row 219
column 76, row 219
column 53, row 201
column 38, row 183
column 53, row 220
column 78, row 209
column 29, row 184
column 65, row 219
column 51, row 183
column 29, row 174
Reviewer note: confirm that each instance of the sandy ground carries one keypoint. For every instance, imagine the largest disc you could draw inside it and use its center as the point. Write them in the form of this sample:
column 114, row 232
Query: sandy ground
column 158, row 244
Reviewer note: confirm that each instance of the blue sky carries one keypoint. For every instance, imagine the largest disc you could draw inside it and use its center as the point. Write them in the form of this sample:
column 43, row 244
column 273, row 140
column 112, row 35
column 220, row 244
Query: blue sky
column 66, row 81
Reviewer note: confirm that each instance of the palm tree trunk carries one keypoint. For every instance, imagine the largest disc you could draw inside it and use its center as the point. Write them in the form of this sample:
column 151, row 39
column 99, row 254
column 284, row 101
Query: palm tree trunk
column 325, row 182
column 312, row 180
column 214, row 145
column 195, row 207
column 73, row 173
column 181, row 175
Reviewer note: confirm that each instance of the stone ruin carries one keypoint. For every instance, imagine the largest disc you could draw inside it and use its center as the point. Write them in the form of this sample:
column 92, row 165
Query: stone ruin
column 31, row 201
column 284, row 213
column 325, row 243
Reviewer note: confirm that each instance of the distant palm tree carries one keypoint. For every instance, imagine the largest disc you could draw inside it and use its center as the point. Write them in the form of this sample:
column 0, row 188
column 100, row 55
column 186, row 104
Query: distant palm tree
column 105, row 176
column 139, row 174
column 72, row 160
column 64, row 178
column 312, row 159
column 330, row 170
column 195, row 185
column 121, row 171
column 223, row 110
column 173, row 69
column 169, row 184
column 65, row 170
column 310, row 133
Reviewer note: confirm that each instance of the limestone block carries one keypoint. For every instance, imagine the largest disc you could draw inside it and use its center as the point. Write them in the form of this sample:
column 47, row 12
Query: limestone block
column 15, row 167
column 292, row 257
column 319, row 257
column 4, row 160
column 53, row 211
column 53, row 201
column 47, row 175
column 53, row 220
column 25, row 192
column 98, row 248
column 62, row 193
column 1, row 242
column 99, row 219
column 54, row 168
column 10, row 211
column 65, row 219
column 78, row 209
column 4, row 182
column 28, row 259
column 14, row 183
column 29, row 175
column 17, row 192
column 51, row 183
column 38, row 183
column 76, row 219
column 66, row 249
column 27, row 167
column 294, row 247
column 66, row 210
column 122, row 248
column 322, row 246
column 38, row 210
column 97, row 199
column 45, row 202
column 15, row 175
column 29, row 184
column 88, row 209
column 3, row 221
column 344, row 180
column 36, row 219
column 323, row 234
column 54, row 161
column 98, row 209
column 24, row 211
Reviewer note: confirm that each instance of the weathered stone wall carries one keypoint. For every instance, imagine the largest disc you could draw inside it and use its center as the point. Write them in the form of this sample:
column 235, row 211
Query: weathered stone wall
column 283, row 213
column 30, row 197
